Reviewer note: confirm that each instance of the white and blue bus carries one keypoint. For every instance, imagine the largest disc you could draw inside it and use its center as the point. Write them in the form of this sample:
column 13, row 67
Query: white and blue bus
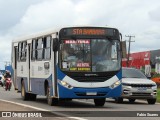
column 70, row 63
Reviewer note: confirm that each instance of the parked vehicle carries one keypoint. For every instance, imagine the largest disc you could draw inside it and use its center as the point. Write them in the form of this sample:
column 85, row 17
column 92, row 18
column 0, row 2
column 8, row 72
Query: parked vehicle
column 8, row 84
column 1, row 81
column 135, row 85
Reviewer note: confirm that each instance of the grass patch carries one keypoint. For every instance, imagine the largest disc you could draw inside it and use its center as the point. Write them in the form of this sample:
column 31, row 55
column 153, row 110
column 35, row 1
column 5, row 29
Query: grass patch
column 158, row 95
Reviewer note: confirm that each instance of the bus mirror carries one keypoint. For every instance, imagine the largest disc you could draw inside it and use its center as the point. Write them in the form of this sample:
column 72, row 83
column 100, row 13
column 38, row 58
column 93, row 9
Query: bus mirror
column 120, row 36
column 55, row 44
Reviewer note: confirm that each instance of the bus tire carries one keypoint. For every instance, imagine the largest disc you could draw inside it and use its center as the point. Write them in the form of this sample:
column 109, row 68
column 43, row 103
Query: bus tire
column 119, row 100
column 131, row 100
column 33, row 97
column 24, row 95
column 99, row 102
column 51, row 101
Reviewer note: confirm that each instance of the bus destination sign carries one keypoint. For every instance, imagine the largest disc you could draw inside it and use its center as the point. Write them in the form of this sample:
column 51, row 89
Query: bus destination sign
column 84, row 31
column 88, row 32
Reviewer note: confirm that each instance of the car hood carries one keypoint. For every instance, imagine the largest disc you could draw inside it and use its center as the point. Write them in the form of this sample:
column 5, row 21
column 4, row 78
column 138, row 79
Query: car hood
column 137, row 81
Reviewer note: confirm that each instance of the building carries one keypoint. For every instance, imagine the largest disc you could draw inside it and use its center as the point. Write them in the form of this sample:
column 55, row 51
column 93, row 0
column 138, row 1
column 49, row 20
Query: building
column 147, row 61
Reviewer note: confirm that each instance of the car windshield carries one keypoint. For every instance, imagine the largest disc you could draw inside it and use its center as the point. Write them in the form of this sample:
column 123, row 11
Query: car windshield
column 132, row 73
column 96, row 55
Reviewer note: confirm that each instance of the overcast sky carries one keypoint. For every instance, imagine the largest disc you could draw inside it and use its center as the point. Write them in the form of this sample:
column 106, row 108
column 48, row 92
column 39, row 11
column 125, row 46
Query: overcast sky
column 140, row 18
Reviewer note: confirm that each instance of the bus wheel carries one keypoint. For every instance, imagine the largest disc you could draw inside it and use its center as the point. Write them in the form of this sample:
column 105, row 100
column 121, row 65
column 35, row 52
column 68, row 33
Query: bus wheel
column 119, row 100
column 132, row 100
column 33, row 97
column 99, row 102
column 51, row 101
column 25, row 96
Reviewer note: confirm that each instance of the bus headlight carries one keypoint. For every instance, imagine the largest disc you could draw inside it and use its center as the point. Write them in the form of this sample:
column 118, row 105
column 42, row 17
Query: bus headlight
column 65, row 84
column 117, row 83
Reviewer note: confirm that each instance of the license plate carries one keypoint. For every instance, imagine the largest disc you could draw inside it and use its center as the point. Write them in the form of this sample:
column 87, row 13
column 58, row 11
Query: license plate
column 91, row 93
column 142, row 89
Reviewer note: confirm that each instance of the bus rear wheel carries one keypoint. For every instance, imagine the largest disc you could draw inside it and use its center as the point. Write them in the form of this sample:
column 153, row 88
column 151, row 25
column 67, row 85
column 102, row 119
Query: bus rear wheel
column 99, row 102
column 33, row 97
column 25, row 96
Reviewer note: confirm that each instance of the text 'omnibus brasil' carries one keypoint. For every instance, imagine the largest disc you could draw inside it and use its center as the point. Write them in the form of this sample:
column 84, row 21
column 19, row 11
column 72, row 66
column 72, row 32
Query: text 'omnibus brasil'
column 70, row 63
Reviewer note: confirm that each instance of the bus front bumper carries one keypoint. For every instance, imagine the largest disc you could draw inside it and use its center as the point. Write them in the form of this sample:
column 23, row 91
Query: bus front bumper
column 88, row 93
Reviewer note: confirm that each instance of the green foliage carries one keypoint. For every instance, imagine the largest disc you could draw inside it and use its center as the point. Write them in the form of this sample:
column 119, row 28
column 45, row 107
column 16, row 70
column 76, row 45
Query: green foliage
column 158, row 95
column 155, row 75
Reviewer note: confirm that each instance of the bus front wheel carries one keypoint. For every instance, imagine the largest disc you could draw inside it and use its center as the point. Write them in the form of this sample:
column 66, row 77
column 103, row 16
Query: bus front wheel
column 99, row 102
column 51, row 101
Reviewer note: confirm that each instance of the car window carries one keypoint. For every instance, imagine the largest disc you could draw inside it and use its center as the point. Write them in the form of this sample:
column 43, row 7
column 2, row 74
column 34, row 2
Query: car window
column 132, row 73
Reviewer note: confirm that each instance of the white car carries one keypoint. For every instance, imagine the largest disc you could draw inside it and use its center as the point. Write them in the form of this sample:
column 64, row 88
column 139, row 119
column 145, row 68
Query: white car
column 135, row 85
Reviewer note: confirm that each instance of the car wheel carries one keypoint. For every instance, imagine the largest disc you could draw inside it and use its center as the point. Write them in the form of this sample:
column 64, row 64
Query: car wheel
column 132, row 100
column 151, row 101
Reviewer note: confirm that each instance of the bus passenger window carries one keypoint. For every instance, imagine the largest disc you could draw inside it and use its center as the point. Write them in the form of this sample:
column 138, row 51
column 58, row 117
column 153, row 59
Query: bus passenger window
column 39, row 49
column 24, row 51
column 47, row 47
column 33, row 50
column 19, row 51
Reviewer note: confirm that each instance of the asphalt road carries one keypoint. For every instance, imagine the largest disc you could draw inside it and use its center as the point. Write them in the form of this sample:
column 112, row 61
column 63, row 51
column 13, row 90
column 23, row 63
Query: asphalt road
column 81, row 109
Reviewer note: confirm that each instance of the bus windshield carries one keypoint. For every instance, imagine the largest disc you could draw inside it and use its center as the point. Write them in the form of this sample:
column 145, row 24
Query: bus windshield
column 90, row 55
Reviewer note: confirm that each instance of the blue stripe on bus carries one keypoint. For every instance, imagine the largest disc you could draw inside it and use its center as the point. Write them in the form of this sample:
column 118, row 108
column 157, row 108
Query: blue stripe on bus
column 60, row 74
column 119, row 74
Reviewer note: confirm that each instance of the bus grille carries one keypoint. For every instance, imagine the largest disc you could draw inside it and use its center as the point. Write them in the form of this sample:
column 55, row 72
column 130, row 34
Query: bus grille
column 91, row 79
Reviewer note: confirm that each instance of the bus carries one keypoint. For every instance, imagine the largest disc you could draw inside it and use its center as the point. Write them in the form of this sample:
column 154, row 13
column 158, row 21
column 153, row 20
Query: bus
column 68, row 63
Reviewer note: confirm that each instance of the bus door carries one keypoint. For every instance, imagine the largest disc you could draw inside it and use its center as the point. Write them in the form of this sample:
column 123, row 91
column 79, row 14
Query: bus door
column 29, row 64
column 15, row 57
column 54, row 58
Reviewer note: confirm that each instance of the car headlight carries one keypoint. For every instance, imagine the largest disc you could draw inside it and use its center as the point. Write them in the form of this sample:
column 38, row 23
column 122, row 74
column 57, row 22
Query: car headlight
column 117, row 83
column 125, row 84
column 65, row 84
column 154, row 86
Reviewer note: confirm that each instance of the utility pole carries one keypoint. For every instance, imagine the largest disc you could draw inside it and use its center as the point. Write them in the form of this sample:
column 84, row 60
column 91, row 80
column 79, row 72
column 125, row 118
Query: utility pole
column 129, row 47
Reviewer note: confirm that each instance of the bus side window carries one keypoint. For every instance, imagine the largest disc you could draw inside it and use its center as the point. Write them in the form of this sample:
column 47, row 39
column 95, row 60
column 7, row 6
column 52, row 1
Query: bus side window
column 47, row 47
column 19, row 51
column 40, row 49
column 33, row 57
column 24, row 51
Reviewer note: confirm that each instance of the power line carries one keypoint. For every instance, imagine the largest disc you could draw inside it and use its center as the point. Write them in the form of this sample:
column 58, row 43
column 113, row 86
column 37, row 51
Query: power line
column 129, row 47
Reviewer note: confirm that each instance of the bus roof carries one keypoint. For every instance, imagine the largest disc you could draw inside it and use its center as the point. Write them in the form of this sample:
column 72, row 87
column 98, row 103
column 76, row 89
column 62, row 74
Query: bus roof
column 47, row 32
column 35, row 35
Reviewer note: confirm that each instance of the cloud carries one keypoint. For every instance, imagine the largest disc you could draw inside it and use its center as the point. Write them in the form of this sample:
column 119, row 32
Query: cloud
column 154, row 14
column 12, row 11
